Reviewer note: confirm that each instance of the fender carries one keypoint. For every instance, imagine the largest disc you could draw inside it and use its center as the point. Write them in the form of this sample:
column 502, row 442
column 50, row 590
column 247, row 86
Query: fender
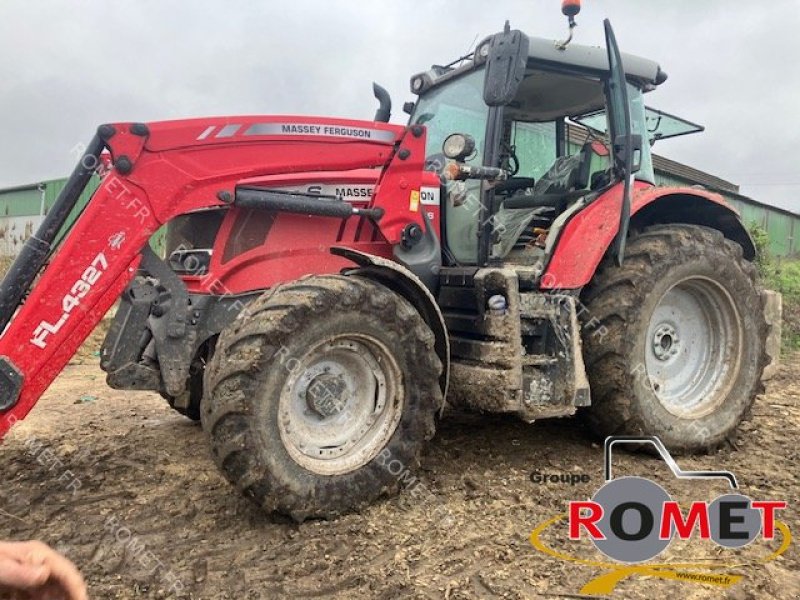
column 586, row 237
column 402, row 281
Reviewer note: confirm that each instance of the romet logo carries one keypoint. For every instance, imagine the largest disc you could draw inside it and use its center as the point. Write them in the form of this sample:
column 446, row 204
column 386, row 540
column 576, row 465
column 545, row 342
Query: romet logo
column 632, row 520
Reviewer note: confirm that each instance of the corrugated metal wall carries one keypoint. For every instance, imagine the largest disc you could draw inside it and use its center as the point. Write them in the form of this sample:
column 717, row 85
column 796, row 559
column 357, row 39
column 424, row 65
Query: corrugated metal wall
column 20, row 212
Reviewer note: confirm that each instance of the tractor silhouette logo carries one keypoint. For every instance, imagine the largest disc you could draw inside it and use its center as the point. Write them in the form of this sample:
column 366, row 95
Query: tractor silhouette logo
column 632, row 520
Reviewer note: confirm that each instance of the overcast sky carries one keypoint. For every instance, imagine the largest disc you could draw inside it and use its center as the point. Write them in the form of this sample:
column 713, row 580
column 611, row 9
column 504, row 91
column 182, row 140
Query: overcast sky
column 67, row 66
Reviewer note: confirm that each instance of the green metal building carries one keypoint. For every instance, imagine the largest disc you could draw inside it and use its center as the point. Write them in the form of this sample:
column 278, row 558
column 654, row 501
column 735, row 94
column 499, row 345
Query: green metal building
column 22, row 209
column 782, row 226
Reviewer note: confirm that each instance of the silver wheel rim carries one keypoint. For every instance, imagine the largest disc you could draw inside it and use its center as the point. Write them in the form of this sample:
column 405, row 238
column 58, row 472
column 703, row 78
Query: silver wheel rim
column 341, row 404
column 693, row 347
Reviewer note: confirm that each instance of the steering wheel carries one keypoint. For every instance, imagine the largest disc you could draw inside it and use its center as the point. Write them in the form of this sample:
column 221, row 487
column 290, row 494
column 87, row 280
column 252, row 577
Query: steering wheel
column 510, row 161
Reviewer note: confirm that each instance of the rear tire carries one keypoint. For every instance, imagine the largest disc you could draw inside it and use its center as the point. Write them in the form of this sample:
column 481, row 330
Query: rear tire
column 674, row 339
column 321, row 395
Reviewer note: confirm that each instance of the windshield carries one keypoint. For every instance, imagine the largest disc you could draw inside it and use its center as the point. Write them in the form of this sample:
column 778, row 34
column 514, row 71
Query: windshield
column 457, row 107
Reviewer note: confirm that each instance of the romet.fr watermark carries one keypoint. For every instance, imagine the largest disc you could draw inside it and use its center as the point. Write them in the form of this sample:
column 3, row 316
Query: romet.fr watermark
column 136, row 550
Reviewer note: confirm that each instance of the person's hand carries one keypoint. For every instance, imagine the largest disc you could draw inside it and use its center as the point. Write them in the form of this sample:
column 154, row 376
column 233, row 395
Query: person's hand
column 34, row 571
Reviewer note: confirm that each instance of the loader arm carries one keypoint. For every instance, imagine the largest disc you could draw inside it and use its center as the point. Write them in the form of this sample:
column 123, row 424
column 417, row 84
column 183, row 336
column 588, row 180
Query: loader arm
column 162, row 170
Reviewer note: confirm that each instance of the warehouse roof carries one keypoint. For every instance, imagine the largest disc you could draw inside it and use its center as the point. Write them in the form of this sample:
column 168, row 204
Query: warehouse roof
column 23, row 188
column 693, row 176
column 677, row 169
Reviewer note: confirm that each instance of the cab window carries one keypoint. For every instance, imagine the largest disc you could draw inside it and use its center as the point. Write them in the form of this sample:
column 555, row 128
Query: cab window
column 457, row 107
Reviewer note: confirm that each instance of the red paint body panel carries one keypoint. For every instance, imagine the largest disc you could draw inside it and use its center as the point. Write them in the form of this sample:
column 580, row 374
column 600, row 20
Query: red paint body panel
column 180, row 168
column 188, row 133
column 298, row 245
column 364, row 176
column 588, row 235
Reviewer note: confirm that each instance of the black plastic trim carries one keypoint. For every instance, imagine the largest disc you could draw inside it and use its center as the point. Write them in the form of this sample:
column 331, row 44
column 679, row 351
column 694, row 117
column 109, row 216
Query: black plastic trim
column 10, row 384
column 303, row 204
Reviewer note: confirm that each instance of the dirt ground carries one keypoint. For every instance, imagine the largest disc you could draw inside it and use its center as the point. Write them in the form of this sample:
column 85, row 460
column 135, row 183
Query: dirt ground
column 126, row 488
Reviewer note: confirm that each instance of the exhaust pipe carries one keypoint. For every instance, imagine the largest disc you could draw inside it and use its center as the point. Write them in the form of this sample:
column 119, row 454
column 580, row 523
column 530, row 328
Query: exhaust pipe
column 385, row 109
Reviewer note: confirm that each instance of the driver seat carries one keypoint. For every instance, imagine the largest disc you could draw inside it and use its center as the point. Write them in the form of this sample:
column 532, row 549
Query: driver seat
column 567, row 174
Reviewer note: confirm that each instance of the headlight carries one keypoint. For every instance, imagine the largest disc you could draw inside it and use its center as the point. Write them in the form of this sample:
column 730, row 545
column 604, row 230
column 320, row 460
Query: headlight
column 458, row 146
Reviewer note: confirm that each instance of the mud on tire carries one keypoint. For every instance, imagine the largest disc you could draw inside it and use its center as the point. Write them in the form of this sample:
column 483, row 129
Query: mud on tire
column 259, row 388
column 649, row 370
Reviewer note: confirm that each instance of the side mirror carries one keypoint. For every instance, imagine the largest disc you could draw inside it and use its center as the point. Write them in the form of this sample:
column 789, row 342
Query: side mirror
column 506, row 62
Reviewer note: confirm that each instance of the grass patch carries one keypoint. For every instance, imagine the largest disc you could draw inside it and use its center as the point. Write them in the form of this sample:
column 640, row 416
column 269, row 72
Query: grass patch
column 781, row 275
column 784, row 277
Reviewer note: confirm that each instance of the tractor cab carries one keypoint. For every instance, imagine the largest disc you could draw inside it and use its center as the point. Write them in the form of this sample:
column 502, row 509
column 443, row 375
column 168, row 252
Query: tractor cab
column 558, row 121
column 544, row 153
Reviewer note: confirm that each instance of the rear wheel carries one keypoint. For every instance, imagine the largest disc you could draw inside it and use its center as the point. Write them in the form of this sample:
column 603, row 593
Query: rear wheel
column 680, row 345
column 321, row 395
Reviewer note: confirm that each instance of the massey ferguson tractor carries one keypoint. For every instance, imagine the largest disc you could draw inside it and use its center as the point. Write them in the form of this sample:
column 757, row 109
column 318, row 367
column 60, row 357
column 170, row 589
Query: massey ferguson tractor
column 328, row 284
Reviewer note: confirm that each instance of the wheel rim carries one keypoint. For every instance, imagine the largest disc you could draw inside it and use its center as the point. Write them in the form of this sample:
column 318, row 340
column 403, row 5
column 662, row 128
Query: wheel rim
column 341, row 404
column 693, row 347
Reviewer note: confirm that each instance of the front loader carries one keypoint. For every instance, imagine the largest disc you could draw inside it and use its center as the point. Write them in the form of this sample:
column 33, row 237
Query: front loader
column 329, row 284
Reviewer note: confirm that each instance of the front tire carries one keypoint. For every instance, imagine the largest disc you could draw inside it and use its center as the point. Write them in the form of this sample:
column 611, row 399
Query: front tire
column 317, row 390
column 678, row 345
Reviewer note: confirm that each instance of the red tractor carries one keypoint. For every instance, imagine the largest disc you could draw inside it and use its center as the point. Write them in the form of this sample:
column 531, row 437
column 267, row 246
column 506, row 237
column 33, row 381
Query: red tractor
column 329, row 284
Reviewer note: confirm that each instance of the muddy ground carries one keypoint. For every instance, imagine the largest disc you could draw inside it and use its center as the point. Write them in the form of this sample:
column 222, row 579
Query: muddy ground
column 126, row 488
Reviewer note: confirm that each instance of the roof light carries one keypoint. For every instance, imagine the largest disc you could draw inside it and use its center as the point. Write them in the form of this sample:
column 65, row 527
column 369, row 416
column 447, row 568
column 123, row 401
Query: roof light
column 571, row 8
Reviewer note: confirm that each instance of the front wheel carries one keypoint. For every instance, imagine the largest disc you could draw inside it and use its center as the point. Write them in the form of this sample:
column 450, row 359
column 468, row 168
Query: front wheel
column 680, row 345
column 321, row 394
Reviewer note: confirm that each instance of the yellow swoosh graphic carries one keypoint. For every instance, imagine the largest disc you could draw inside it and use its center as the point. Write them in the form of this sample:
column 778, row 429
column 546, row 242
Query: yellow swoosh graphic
column 703, row 573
